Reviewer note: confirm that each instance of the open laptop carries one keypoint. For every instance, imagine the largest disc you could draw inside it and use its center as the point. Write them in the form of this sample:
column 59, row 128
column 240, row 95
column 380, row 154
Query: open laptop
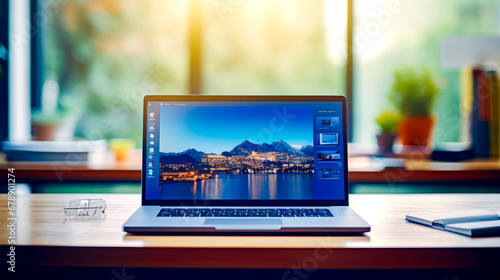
column 245, row 164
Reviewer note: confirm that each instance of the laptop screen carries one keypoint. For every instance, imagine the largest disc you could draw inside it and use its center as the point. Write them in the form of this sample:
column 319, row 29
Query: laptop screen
column 244, row 151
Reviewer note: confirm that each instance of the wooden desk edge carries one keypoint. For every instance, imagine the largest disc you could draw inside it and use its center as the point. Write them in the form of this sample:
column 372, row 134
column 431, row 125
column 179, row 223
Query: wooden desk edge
column 267, row 258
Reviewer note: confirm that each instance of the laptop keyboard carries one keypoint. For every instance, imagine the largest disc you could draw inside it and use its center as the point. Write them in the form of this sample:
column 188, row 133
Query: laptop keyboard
column 223, row 212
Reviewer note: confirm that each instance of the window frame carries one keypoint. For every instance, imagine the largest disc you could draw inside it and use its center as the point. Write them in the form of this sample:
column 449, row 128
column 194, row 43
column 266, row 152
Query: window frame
column 4, row 78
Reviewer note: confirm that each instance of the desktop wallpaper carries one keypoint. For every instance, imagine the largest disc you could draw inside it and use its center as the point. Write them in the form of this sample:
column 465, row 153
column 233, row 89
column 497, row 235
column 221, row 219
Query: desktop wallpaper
column 260, row 152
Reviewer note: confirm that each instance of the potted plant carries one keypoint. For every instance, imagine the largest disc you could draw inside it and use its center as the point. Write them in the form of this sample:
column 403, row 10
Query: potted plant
column 57, row 117
column 414, row 94
column 388, row 121
column 45, row 125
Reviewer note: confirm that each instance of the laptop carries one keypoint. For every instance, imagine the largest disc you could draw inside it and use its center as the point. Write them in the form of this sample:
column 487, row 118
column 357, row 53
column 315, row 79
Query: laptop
column 245, row 164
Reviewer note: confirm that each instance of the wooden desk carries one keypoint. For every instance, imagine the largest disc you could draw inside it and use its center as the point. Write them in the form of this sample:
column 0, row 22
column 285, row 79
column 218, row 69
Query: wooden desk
column 46, row 238
column 361, row 170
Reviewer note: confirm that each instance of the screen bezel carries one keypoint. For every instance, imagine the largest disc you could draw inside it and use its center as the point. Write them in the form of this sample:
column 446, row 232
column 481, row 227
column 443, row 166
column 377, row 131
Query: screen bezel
column 250, row 202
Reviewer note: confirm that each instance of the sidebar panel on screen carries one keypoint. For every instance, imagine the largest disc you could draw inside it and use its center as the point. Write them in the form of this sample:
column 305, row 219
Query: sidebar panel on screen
column 328, row 151
column 152, row 139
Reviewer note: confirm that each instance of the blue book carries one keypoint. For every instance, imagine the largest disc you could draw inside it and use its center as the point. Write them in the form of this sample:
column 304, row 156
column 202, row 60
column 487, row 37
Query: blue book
column 480, row 115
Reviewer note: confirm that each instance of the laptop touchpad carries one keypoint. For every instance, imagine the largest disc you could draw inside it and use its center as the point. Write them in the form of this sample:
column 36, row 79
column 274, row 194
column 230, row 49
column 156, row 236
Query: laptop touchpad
column 246, row 221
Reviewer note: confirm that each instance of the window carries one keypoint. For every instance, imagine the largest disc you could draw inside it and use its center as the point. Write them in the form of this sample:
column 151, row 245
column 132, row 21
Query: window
column 106, row 55
column 389, row 34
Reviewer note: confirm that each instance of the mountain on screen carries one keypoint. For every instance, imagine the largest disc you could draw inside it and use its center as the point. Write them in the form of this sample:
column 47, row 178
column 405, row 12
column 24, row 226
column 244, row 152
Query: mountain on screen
column 246, row 148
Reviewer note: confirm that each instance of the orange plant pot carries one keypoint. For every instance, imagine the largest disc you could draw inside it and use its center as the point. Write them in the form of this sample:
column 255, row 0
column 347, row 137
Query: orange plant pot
column 416, row 131
column 44, row 132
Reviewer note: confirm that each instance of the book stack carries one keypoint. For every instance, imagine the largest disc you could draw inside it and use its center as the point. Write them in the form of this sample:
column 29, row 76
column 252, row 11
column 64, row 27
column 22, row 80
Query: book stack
column 481, row 111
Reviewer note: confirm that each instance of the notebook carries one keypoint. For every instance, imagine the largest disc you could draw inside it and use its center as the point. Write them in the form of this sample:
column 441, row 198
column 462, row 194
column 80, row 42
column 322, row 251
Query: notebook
column 473, row 222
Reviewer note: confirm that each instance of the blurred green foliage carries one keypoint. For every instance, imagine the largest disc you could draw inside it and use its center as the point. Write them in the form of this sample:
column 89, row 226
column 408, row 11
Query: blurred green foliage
column 106, row 55
column 40, row 117
column 414, row 92
column 388, row 121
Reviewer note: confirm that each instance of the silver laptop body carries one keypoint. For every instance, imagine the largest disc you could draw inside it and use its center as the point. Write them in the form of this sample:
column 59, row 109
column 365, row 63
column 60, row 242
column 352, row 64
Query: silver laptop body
column 245, row 164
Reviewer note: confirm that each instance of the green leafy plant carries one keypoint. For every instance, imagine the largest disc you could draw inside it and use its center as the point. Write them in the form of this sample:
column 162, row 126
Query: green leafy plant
column 414, row 92
column 388, row 121
column 44, row 118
